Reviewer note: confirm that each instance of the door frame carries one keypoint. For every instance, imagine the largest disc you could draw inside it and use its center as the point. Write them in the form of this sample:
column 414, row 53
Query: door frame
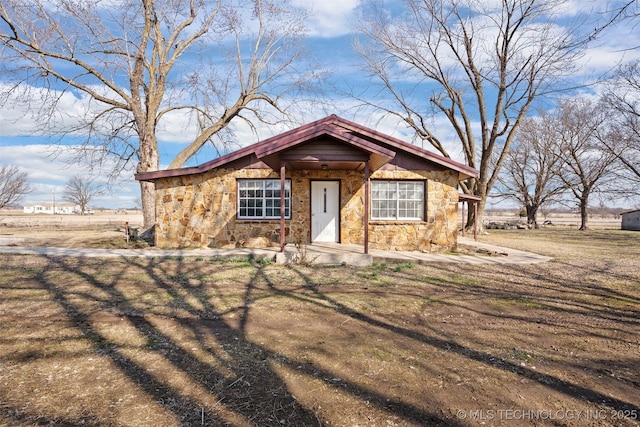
column 339, row 231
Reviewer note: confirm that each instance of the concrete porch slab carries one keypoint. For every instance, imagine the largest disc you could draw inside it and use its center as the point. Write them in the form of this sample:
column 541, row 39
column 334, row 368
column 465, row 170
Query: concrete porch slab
column 325, row 253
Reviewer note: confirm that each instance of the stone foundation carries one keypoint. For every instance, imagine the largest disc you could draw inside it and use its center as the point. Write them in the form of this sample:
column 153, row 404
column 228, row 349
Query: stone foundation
column 199, row 210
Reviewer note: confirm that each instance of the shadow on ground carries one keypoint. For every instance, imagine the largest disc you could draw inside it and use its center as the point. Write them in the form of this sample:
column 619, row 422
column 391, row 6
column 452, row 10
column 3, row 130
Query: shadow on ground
column 194, row 342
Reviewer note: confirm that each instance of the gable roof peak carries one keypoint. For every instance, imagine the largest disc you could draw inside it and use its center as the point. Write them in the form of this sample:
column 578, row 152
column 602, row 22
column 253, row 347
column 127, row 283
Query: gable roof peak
column 361, row 137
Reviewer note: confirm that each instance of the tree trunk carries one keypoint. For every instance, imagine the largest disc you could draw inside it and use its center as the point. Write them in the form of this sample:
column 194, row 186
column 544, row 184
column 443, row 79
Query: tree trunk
column 583, row 215
column 149, row 162
column 471, row 216
column 147, row 192
column 532, row 214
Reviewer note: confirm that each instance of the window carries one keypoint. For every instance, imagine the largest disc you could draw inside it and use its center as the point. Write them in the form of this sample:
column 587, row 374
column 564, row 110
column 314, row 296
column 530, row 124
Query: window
column 260, row 199
column 396, row 200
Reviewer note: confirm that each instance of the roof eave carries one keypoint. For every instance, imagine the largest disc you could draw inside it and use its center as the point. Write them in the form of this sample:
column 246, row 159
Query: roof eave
column 327, row 125
column 269, row 151
column 465, row 172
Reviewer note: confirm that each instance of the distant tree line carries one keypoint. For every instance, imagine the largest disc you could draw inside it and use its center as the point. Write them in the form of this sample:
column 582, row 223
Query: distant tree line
column 583, row 147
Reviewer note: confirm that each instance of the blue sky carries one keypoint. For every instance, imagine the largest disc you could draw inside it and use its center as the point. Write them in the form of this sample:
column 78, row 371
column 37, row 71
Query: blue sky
column 330, row 38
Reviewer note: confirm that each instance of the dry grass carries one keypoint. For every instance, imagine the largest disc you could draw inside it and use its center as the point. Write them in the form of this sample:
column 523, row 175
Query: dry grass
column 203, row 342
column 102, row 230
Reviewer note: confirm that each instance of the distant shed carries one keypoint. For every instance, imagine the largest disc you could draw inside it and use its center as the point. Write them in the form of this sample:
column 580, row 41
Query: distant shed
column 631, row 220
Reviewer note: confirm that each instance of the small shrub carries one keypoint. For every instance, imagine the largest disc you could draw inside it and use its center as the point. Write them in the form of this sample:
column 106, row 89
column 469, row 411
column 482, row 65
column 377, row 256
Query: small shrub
column 402, row 266
column 264, row 261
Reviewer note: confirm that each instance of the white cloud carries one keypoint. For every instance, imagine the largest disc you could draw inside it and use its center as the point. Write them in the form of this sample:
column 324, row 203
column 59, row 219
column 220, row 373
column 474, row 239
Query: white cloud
column 37, row 161
column 177, row 126
column 31, row 110
column 393, row 126
column 19, row 118
column 329, row 18
column 615, row 46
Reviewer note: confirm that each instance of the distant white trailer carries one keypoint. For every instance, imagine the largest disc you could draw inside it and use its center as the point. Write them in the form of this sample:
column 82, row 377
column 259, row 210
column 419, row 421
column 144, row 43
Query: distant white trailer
column 38, row 209
column 631, row 220
column 50, row 208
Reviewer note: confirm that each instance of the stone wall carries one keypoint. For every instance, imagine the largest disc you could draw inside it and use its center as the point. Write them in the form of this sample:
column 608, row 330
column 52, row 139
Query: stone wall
column 439, row 232
column 200, row 210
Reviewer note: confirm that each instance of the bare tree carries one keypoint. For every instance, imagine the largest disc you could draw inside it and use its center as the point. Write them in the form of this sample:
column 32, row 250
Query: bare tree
column 530, row 171
column 623, row 138
column 586, row 165
column 136, row 66
column 80, row 190
column 625, row 12
column 14, row 185
column 476, row 62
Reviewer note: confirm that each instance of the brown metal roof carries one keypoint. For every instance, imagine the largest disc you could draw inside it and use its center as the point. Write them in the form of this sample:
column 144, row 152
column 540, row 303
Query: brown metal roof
column 463, row 197
column 464, row 170
column 268, row 152
column 379, row 146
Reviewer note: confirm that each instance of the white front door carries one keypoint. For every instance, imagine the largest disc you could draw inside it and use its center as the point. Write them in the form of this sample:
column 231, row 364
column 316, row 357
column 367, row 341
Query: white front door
column 325, row 211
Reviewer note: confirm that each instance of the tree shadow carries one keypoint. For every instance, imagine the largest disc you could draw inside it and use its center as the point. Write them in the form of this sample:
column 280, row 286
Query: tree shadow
column 228, row 368
column 245, row 402
column 553, row 382
column 235, row 378
column 572, row 296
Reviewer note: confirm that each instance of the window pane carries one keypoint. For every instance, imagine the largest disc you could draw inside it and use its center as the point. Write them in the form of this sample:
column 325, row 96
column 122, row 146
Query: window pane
column 383, row 199
column 397, row 200
column 258, row 198
column 410, row 203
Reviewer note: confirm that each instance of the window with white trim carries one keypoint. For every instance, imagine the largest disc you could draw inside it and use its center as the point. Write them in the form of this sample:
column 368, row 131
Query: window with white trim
column 260, row 199
column 397, row 200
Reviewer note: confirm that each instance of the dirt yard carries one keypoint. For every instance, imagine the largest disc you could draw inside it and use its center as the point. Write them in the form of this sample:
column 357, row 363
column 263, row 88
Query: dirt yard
column 196, row 341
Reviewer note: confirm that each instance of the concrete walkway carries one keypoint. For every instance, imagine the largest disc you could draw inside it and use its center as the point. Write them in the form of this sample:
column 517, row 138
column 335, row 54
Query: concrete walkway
column 323, row 253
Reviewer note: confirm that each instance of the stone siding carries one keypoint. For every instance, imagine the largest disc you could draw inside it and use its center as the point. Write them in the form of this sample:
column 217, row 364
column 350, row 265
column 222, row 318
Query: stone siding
column 439, row 231
column 199, row 210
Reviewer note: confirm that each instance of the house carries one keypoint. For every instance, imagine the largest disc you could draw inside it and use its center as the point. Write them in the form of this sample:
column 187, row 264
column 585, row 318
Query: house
column 338, row 181
column 631, row 220
column 49, row 208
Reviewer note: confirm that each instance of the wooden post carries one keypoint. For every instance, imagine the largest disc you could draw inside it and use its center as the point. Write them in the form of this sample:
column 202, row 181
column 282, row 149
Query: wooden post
column 475, row 220
column 282, row 189
column 463, row 220
column 366, row 206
